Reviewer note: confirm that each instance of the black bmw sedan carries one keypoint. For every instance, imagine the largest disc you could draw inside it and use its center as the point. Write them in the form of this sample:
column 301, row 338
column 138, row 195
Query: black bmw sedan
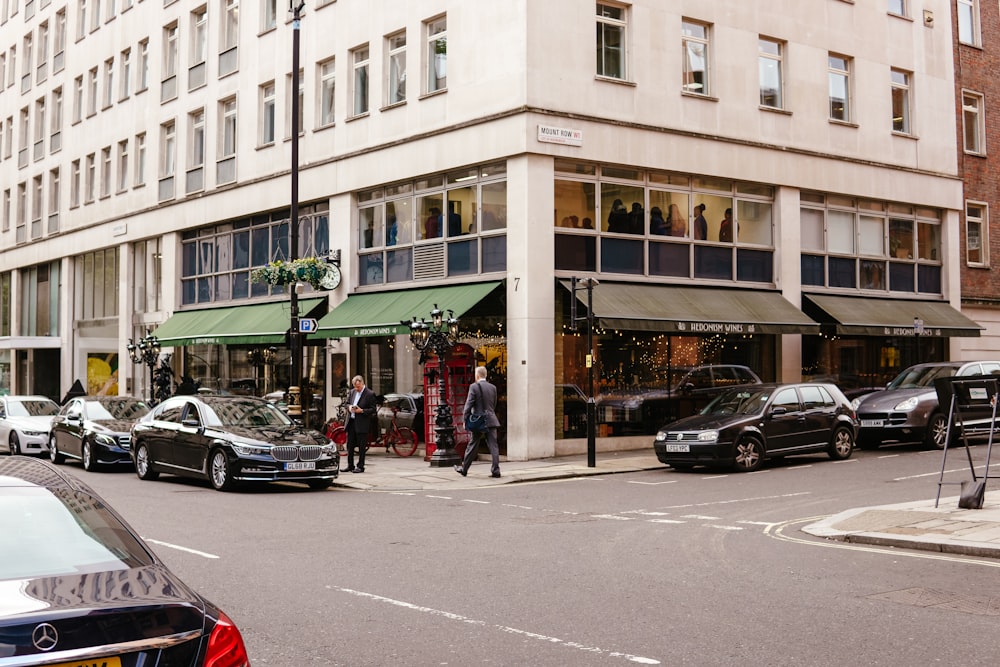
column 228, row 440
column 96, row 430
column 744, row 426
column 80, row 587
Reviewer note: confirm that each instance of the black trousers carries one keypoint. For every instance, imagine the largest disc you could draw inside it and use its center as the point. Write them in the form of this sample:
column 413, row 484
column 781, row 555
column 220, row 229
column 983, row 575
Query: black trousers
column 356, row 440
column 472, row 450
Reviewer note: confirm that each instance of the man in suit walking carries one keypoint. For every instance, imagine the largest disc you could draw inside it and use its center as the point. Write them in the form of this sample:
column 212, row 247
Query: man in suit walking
column 482, row 400
column 361, row 408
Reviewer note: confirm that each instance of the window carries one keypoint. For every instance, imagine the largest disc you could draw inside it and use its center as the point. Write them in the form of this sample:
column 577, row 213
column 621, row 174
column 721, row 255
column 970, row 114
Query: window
column 769, row 62
column 968, row 22
column 109, row 82
column 199, row 48
column 123, row 165
column 23, row 136
column 54, row 200
column 268, row 20
column 897, row 7
column 81, row 22
column 95, row 15
column 267, row 114
column 168, row 149
column 12, row 67
column 40, row 129
column 197, row 147
column 8, row 141
column 106, row 171
column 56, row 120
column 6, row 210
column 900, row 90
column 976, row 230
column 22, row 213
column 973, row 129
column 92, row 92
column 3, row 68
column 327, row 81
column 143, row 70
column 36, row 207
column 125, row 62
column 26, row 53
column 168, row 85
column 360, row 81
column 437, row 54
column 140, row 159
column 43, row 51
column 74, row 184
column 611, row 41
column 396, row 56
column 225, row 171
column 840, row 85
column 695, row 43
column 90, row 179
column 59, row 41
column 146, row 275
column 229, row 39
column 78, row 99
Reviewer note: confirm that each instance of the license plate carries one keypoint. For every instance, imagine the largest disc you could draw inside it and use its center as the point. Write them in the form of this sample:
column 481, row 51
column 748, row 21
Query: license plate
column 678, row 448
column 872, row 423
column 113, row 661
column 300, row 465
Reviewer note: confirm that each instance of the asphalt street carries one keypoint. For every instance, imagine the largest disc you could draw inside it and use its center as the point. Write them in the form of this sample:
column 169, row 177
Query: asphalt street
column 652, row 567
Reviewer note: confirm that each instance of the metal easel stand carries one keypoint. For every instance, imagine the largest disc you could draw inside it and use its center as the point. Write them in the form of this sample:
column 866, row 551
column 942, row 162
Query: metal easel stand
column 969, row 397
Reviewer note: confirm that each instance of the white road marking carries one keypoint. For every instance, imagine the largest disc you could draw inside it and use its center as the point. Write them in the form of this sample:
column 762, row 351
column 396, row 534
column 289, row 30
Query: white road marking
column 701, row 517
column 665, row 521
column 479, row 502
column 737, row 500
column 401, row 493
column 716, row 477
column 804, row 465
column 520, row 507
column 180, row 548
column 441, row 497
column 503, row 628
column 758, row 523
column 849, row 461
column 612, row 516
column 935, row 474
column 673, row 481
column 712, row 525
column 889, row 456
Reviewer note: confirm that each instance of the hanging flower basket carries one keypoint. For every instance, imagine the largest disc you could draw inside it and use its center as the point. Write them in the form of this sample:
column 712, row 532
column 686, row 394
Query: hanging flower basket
column 307, row 270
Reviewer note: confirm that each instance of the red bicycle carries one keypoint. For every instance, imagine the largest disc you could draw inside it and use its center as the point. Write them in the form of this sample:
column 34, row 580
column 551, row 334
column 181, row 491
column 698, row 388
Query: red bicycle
column 402, row 439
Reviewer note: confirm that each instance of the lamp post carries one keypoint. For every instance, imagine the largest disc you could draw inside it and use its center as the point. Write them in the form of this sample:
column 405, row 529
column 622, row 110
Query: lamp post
column 589, row 284
column 439, row 336
column 259, row 358
column 146, row 351
column 294, row 336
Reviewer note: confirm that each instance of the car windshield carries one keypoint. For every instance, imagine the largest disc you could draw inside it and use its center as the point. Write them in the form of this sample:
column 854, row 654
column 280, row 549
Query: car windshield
column 921, row 376
column 31, row 408
column 61, row 532
column 109, row 410
column 738, row 402
column 244, row 413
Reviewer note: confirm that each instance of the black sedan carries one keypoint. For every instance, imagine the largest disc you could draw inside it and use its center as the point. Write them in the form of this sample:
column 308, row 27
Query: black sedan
column 744, row 426
column 228, row 440
column 80, row 587
column 95, row 430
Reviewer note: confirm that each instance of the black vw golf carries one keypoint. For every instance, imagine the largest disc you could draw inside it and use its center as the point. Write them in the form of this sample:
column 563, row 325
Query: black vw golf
column 228, row 440
column 743, row 426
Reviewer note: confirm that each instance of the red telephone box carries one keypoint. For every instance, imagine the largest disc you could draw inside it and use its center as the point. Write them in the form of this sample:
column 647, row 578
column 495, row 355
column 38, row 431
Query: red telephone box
column 460, row 367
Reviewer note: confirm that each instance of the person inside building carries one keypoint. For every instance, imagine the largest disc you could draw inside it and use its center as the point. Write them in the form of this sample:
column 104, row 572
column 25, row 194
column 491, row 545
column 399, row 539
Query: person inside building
column 618, row 218
column 432, row 225
column 726, row 227
column 676, row 221
column 700, row 224
column 657, row 225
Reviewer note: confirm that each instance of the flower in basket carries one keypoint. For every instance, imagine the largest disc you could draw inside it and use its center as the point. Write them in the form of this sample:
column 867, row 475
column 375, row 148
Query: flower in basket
column 280, row 272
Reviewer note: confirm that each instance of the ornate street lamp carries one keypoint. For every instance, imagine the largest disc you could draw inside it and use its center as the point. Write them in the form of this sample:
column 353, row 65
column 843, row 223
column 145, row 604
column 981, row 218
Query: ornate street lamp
column 295, row 7
column 259, row 357
column 146, row 351
column 439, row 336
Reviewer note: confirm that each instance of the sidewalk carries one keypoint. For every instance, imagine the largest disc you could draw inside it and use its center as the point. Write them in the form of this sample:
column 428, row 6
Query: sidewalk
column 911, row 525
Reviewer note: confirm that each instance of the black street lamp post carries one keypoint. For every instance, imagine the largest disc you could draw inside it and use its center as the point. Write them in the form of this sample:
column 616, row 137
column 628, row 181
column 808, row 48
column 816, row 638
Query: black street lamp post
column 588, row 284
column 146, row 351
column 294, row 336
column 439, row 336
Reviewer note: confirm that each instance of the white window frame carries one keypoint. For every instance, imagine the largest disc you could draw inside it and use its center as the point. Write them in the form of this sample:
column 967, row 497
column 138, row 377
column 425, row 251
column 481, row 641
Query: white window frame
column 59, row 41
column 199, row 35
column 612, row 19
column 268, row 114
column 125, row 65
column 901, row 93
column 269, row 15
column 436, row 40
column 695, row 36
column 982, row 223
column 90, row 178
column 168, row 149
column 228, row 112
column 91, row 92
column 974, row 113
column 360, row 81
column 74, row 184
column 771, row 61
column 140, row 160
column 327, row 73
column 109, row 83
column 839, row 70
column 395, row 58
column 897, row 7
column 170, row 50
column 142, row 72
column 123, row 165
column 196, row 138
column 106, row 172
column 968, row 22
column 229, row 37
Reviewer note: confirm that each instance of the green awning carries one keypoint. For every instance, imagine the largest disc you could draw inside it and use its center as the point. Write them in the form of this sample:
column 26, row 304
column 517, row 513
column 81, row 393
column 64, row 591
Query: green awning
column 858, row 316
column 265, row 323
column 381, row 313
column 694, row 310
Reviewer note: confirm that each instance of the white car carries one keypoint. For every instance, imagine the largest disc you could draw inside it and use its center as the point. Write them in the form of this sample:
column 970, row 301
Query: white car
column 25, row 423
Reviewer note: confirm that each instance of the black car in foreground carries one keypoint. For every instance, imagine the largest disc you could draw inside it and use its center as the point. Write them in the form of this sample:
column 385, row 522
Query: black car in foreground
column 228, row 440
column 95, row 430
column 80, row 587
column 743, row 426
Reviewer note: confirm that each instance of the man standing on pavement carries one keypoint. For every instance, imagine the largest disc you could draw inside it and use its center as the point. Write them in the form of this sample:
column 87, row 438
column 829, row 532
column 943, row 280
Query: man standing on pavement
column 482, row 400
column 360, row 409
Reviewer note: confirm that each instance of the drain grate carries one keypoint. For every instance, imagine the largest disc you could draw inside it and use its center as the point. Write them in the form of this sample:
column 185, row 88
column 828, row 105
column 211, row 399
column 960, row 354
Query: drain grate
column 928, row 597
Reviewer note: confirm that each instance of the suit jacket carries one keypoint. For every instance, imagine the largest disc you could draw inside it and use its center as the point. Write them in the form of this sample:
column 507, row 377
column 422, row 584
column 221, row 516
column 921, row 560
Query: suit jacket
column 482, row 399
column 362, row 420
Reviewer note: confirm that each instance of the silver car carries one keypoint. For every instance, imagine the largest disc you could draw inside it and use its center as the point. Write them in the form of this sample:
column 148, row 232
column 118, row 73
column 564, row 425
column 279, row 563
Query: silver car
column 907, row 409
column 25, row 422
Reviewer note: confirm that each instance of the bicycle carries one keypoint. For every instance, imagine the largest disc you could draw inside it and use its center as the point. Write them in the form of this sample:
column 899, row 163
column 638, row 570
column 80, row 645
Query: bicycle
column 402, row 439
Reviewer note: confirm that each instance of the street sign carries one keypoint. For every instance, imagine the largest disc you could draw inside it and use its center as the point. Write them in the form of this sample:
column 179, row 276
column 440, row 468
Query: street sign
column 308, row 325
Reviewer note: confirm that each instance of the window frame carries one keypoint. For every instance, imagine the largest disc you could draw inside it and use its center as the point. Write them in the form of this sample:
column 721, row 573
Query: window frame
column 612, row 19
column 834, row 71
column 360, row 93
column 395, row 71
column 982, row 222
column 689, row 83
column 901, row 94
column 326, row 73
column 980, row 123
column 765, row 58
column 968, row 22
column 436, row 54
column 268, row 114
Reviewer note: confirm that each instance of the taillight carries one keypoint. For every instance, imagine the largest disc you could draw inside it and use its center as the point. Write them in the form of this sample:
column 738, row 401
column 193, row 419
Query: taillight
column 225, row 645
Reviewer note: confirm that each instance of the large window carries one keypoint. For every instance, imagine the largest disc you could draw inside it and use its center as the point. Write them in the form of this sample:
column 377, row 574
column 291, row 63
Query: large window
column 695, row 46
column 612, row 29
column 625, row 221
column 444, row 225
column 96, row 285
column 870, row 245
column 40, row 300
column 839, row 75
column 973, row 127
column 770, row 67
column 976, row 234
column 146, row 275
column 216, row 261
column 436, row 34
column 900, row 91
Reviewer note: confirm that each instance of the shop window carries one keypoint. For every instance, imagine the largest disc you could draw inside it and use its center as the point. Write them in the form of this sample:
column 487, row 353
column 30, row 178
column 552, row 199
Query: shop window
column 622, row 256
column 669, row 259
column 576, row 253
column 713, row 263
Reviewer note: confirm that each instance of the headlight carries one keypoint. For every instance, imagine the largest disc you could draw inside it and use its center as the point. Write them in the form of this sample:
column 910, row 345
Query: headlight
column 329, row 449
column 661, row 435
column 907, row 405
column 250, row 450
column 106, row 440
column 708, row 436
column 855, row 403
column 34, row 433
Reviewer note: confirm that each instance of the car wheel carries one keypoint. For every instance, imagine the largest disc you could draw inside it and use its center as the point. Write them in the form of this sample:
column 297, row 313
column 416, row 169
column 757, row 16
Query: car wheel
column 937, row 431
column 87, row 454
column 320, row 484
column 220, row 472
column 749, row 454
column 842, row 444
column 144, row 463
column 54, row 454
column 15, row 444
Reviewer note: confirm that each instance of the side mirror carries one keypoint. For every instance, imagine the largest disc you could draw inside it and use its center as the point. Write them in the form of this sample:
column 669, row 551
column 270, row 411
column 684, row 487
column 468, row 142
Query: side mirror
column 778, row 410
column 191, row 423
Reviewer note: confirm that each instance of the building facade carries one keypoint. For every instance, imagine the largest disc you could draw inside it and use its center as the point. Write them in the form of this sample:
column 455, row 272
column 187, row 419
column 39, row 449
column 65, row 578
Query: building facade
column 769, row 185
